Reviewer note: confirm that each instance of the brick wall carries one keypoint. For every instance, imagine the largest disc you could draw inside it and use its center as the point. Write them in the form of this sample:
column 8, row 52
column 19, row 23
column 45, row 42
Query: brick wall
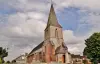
column 30, row 58
column 50, row 53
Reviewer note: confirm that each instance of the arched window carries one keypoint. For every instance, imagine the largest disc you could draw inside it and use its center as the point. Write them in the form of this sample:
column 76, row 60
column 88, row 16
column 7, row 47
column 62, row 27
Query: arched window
column 56, row 33
column 53, row 49
column 45, row 49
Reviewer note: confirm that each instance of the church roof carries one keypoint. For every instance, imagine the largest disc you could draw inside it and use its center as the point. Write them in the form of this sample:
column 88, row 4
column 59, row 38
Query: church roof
column 61, row 49
column 37, row 47
column 75, row 56
column 19, row 58
column 52, row 20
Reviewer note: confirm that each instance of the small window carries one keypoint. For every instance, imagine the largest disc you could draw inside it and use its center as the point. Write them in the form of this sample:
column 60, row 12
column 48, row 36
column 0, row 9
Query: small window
column 56, row 33
column 45, row 49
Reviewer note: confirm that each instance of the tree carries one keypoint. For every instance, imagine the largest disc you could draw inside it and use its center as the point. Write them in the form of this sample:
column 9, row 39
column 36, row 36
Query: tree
column 3, row 53
column 0, row 61
column 92, row 49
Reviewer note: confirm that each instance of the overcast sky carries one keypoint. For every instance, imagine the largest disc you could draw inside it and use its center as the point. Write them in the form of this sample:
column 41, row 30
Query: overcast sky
column 22, row 23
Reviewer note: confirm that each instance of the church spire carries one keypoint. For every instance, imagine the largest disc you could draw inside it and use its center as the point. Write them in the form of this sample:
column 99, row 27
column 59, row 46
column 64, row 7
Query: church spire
column 52, row 20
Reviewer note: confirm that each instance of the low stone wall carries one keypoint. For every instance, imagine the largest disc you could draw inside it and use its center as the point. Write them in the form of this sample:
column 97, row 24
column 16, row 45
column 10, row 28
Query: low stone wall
column 48, row 63
column 42, row 63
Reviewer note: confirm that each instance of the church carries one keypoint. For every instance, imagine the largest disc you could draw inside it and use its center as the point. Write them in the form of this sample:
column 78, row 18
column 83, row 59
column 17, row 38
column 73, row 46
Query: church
column 53, row 48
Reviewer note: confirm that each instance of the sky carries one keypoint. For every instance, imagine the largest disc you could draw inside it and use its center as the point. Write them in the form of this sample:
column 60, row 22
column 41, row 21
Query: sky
column 22, row 23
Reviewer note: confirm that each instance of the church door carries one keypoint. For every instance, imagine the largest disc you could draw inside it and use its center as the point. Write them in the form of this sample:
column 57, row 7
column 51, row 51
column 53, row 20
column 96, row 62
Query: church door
column 63, row 58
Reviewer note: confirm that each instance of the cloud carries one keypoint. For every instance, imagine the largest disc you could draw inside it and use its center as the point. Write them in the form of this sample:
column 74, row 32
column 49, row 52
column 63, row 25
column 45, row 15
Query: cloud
column 70, row 38
column 92, row 5
column 21, row 34
column 74, row 43
column 23, row 30
column 90, row 22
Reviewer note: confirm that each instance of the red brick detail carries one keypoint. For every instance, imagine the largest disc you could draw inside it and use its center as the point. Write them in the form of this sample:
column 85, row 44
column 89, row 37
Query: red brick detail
column 50, row 53
column 30, row 58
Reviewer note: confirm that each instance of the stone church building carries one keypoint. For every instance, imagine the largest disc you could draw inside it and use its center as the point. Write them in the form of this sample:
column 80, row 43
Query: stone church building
column 53, row 48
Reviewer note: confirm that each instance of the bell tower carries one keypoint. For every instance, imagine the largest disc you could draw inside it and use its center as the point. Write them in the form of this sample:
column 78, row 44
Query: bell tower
column 53, row 31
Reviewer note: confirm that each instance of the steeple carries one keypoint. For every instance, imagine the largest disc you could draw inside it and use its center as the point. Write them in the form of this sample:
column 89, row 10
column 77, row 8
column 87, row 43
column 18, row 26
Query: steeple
column 53, row 31
column 52, row 20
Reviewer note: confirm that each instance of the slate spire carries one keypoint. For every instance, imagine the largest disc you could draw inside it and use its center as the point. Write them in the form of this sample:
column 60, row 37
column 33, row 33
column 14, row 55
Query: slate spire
column 52, row 20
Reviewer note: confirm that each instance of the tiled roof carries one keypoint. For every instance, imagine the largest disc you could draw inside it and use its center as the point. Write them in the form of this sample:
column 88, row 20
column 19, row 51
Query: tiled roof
column 19, row 58
column 75, row 56
column 36, row 48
